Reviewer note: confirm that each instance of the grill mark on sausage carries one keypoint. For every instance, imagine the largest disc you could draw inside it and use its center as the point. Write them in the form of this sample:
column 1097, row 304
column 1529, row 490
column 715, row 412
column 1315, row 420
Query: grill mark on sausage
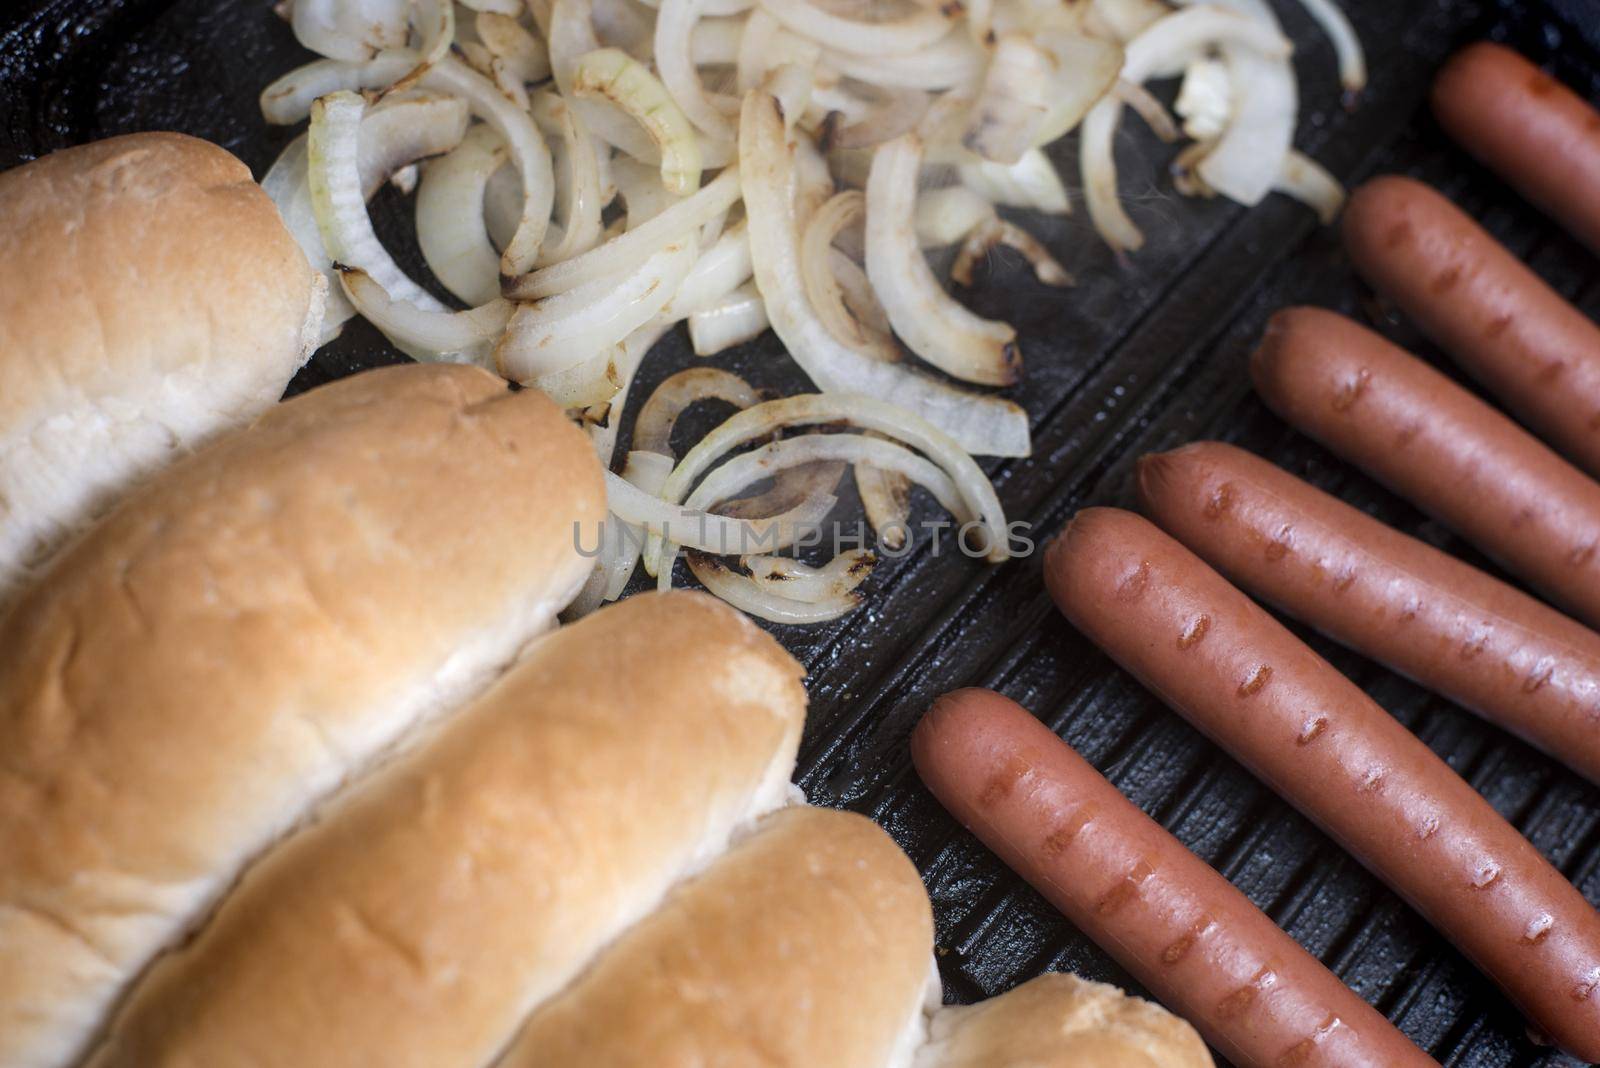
column 1257, row 681
column 1132, row 585
column 1538, row 928
column 1220, row 501
column 1498, row 325
column 1475, row 644
column 1003, row 782
column 1398, row 234
column 1485, row 875
column 1344, row 580
column 1194, row 632
column 1407, row 434
column 1585, row 987
column 1302, row 1051
column 1126, row 890
column 1278, row 547
column 1445, row 281
column 1541, row 674
column 1063, row 834
column 1179, row 947
column 1581, row 555
column 1350, row 392
column 1312, row 730
column 1428, row 827
column 1239, row 1001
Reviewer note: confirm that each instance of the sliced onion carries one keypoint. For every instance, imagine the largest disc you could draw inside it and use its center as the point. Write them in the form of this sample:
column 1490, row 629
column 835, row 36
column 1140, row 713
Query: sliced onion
column 652, row 430
column 946, row 216
column 1170, row 41
column 647, row 470
column 640, row 187
column 688, row 527
column 1148, row 107
column 403, row 128
column 796, row 581
column 931, row 323
column 952, row 63
column 287, row 100
column 352, row 30
column 604, row 424
column 450, row 226
column 794, row 491
column 997, row 231
column 502, row 205
column 1031, row 183
column 628, row 250
column 1248, row 157
column 560, row 331
column 715, row 42
column 1306, row 180
column 1014, row 101
column 1346, row 45
column 332, row 151
column 620, row 24
column 872, row 39
column 738, row 317
column 886, row 498
column 612, row 75
column 1086, row 68
column 898, row 111
column 984, row 425
column 578, row 198
column 503, row 7
column 571, row 37
column 583, row 385
column 760, row 600
column 1123, row 20
column 675, row 25
column 855, row 411
column 821, row 281
column 1205, row 99
column 721, row 269
column 462, row 336
column 859, row 298
column 523, row 53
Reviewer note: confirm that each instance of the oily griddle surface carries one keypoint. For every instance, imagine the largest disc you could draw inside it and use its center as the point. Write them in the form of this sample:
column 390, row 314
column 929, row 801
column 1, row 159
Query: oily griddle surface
column 1138, row 357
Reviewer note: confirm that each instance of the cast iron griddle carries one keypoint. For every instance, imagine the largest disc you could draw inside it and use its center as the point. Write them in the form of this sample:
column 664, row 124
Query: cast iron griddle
column 1138, row 357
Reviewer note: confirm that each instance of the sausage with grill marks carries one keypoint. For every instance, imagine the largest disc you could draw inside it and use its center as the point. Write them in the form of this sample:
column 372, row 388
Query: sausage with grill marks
column 1312, row 735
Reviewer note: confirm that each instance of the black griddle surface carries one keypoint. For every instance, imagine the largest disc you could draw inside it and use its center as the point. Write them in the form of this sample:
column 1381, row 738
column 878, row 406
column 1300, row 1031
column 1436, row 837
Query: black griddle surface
column 1139, row 357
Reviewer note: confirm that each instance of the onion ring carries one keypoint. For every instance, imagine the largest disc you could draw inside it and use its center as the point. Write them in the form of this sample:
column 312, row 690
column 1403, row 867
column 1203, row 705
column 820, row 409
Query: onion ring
column 652, row 430
column 612, row 75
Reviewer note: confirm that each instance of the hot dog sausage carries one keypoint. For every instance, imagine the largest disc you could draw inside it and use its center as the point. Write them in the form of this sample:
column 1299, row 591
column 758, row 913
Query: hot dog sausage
column 1315, row 738
column 1402, row 602
column 1538, row 134
column 1182, row 929
column 1498, row 319
column 1437, row 445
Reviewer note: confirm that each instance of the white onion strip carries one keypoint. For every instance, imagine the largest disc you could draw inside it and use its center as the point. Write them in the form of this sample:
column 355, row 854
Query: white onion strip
column 634, row 349
column 720, row 270
column 739, row 317
column 859, row 37
column 612, row 75
column 675, row 27
column 796, row 581
column 983, row 425
column 560, row 331
column 628, row 250
column 763, row 600
column 1032, row 183
column 652, row 430
column 822, row 286
column 932, row 323
column 693, row 528
column 578, row 198
column 952, row 63
column 1346, row 45
column 1014, row 101
column 585, row 384
column 464, row 336
column 997, row 231
column 1248, row 157
column 524, row 55
column 886, row 499
column 1306, row 180
column 450, row 221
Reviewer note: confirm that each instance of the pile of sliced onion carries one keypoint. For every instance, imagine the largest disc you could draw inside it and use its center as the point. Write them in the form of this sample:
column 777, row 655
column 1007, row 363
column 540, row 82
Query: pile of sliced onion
column 590, row 173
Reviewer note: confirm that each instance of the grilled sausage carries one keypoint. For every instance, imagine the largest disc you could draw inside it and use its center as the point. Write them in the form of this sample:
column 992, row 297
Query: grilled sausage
column 1402, row 602
column 1439, row 446
column 1500, row 321
column 1182, row 929
column 1538, row 134
column 1315, row 738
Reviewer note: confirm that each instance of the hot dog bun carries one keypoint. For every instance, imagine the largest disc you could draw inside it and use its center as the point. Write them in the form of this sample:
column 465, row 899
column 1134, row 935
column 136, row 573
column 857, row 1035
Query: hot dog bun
column 433, row 905
column 1062, row 1021
column 809, row 943
column 150, row 297
column 247, row 630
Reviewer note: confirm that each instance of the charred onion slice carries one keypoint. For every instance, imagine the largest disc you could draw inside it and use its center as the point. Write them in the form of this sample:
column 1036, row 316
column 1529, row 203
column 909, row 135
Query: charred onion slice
column 652, row 430
column 626, row 251
column 590, row 382
column 931, row 322
column 612, row 75
column 765, row 600
column 982, row 425
column 524, row 55
column 560, row 331
column 738, row 317
column 450, row 219
column 796, row 581
column 823, row 289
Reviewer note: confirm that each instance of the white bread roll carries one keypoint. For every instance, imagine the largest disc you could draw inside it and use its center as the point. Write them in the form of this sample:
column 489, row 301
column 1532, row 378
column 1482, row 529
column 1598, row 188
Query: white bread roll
column 417, row 922
column 1062, row 1021
column 149, row 297
column 240, row 635
column 809, row 943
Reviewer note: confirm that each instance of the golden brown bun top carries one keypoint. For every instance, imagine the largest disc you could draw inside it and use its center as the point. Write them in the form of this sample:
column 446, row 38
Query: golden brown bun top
column 142, row 256
column 1062, row 1021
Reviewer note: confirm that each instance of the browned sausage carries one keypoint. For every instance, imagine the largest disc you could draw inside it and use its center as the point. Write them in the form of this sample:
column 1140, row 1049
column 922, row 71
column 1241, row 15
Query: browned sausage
column 1499, row 320
column 1538, row 134
column 1402, row 602
column 1183, row 930
column 1312, row 735
column 1439, row 446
